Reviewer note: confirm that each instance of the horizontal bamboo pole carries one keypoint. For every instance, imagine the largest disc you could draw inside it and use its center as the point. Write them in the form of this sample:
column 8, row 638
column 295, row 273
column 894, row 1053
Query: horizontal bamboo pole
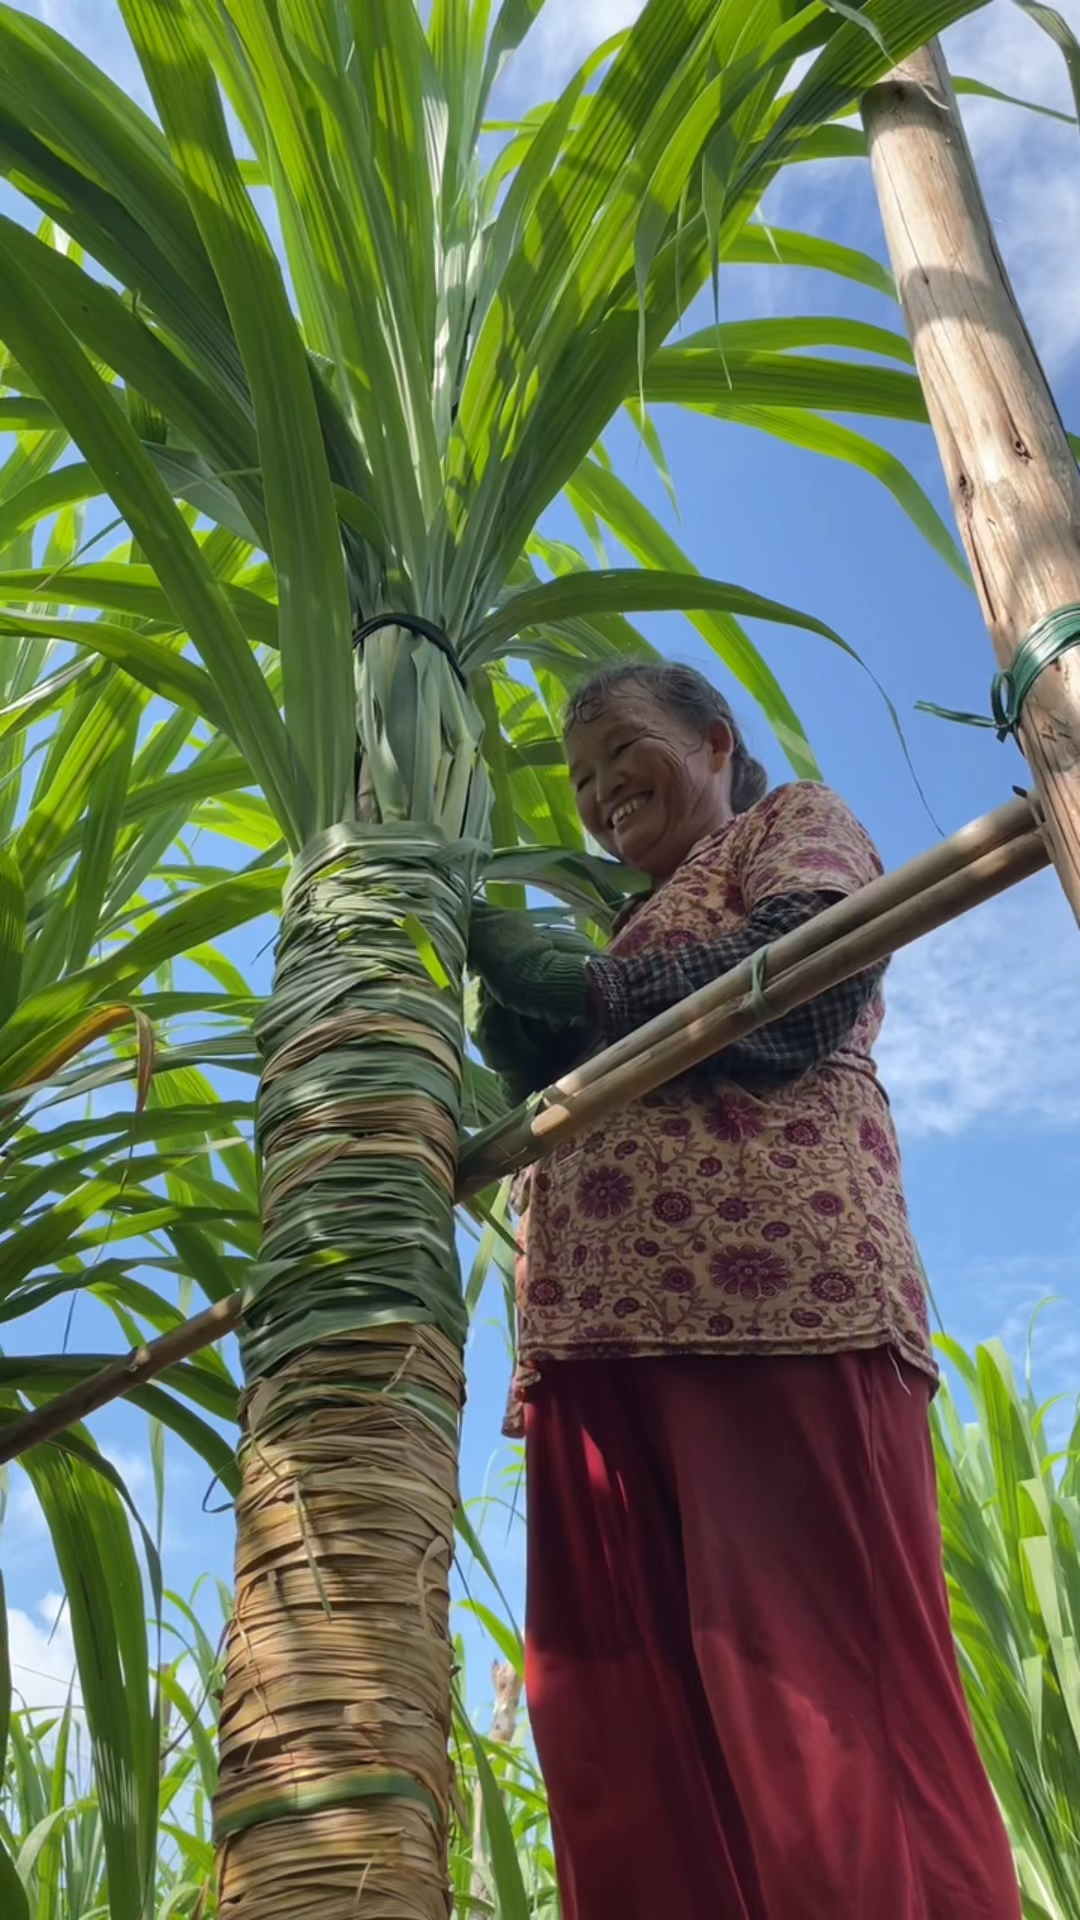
column 954, row 855
column 121, row 1376
column 802, row 965
column 860, row 931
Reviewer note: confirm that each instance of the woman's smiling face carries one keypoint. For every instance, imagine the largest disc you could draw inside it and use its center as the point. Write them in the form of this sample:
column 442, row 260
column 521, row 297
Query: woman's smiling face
column 648, row 784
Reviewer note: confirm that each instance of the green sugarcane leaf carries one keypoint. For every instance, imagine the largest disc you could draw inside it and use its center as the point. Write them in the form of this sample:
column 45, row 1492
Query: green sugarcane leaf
column 709, row 378
column 83, row 1506
column 815, row 435
column 12, row 938
column 628, row 590
column 644, row 537
column 98, row 426
column 131, row 590
column 1060, row 32
column 979, row 89
column 105, row 803
column 512, row 1900
column 5, row 1682
column 767, row 246
column 314, row 617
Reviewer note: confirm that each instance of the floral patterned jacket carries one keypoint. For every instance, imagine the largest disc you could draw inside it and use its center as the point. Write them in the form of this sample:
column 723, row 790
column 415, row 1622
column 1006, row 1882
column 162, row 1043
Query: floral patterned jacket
column 708, row 1218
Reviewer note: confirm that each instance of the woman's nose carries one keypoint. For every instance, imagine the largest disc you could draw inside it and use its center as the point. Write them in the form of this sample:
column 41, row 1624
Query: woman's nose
column 608, row 788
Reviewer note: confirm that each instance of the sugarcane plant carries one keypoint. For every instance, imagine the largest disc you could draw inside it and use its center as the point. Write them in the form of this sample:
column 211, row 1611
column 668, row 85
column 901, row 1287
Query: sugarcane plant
column 1008, row 1481
column 56, row 1861
column 1007, row 1466
column 331, row 345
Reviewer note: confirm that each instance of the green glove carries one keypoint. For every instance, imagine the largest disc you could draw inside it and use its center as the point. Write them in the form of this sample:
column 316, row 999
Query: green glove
column 533, row 971
column 527, row 1054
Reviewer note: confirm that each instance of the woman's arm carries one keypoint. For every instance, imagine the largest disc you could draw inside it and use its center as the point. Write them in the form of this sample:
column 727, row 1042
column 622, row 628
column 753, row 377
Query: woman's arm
column 547, row 1006
column 526, row 1053
column 629, row 991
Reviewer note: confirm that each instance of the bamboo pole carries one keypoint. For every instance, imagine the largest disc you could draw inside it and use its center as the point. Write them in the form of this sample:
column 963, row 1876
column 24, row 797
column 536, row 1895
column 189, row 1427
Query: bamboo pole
column 1011, row 473
column 983, row 836
column 982, row 860
column 121, row 1376
column 725, row 1011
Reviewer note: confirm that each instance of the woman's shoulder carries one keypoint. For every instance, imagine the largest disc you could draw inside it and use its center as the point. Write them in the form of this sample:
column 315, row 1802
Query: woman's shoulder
column 802, row 796
column 817, row 809
column 807, row 832
column 809, row 807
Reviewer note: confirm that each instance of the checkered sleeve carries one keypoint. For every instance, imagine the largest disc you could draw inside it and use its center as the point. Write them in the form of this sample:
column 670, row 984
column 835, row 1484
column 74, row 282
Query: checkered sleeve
column 631, row 990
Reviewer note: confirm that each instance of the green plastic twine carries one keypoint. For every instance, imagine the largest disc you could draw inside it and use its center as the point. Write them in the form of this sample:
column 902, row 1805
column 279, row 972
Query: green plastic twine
column 1039, row 649
column 1043, row 645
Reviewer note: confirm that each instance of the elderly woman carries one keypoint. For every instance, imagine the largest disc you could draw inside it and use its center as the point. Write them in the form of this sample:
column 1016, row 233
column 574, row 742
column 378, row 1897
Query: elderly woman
column 740, row 1669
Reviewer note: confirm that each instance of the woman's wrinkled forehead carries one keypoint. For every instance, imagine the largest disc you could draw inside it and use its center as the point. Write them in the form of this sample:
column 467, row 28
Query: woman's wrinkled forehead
column 627, row 711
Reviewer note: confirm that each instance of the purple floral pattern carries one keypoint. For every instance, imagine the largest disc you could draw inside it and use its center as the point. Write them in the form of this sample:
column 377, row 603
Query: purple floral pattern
column 828, row 1205
column 733, row 1119
column 833, row 1286
column 751, row 1273
column 733, row 1207
column 672, row 1208
column 545, row 1293
column 604, row 1192
column 707, row 1218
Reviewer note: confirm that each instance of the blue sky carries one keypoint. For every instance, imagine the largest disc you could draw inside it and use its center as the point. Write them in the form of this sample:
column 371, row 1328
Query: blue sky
column 981, row 1052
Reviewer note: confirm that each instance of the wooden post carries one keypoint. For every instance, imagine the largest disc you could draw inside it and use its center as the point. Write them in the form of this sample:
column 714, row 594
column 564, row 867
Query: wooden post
column 1011, row 473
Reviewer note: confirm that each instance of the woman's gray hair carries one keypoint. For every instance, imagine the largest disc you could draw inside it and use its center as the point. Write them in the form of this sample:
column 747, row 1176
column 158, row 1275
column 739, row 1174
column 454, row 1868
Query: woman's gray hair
column 685, row 693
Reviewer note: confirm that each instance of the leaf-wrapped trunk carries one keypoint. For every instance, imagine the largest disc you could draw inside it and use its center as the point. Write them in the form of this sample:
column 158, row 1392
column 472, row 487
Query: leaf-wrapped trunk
column 335, row 1779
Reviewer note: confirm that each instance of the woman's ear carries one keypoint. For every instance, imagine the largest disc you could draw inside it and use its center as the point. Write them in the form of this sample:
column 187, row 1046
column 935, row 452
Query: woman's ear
column 721, row 742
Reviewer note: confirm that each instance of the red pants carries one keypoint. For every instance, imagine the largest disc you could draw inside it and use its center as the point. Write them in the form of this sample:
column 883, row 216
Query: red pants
column 739, row 1664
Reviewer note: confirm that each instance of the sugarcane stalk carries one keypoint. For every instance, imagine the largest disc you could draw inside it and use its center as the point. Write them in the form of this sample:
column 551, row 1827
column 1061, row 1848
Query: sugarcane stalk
column 1010, row 469
column 981, row 860
column 336, row 1695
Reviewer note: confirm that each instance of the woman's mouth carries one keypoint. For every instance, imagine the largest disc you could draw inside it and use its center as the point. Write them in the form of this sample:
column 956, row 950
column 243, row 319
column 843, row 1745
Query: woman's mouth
column 626, row 809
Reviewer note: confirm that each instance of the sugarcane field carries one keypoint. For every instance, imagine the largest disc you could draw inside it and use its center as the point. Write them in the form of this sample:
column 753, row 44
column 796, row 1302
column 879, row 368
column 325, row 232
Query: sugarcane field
column 539, row 881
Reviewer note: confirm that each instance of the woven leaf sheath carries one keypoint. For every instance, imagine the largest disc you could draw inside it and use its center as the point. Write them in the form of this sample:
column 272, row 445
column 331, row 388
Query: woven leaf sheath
column 335, row 1778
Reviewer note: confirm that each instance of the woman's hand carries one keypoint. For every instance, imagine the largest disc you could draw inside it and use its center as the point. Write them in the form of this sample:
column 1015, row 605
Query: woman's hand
column 528, row 969
column 526, row 1053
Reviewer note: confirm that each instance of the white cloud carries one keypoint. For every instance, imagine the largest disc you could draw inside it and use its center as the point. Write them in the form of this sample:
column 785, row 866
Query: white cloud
column 1029, row 166
column 96, row 27
column 22, row 1523
column 42, row 1655
column 984, row 1019
column 1029, row 1302
column 134, row 1471
column 1005, row 48
column 565, row 32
